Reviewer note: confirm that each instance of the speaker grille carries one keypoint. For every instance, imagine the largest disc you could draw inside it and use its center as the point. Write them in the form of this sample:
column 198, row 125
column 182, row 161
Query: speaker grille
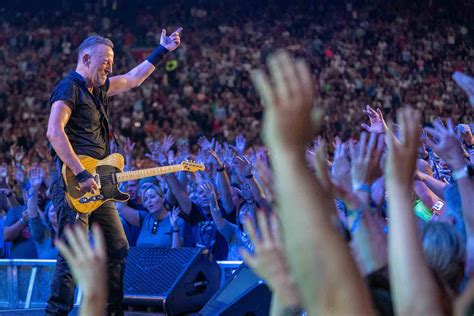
column 153, row 271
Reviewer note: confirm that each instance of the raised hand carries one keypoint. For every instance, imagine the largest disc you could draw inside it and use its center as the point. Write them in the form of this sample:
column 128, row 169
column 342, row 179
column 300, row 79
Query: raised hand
column 332, row 187
column 128, row 149
column 17, row 153
column 446, row 144
column 174, row 216
column 205, row 144
column 207, row 188
column 288, row 98
column 466, row 83
column 167, row 143
column 268, row 260
column 240, row 142
column 36, row 177
column 341, row 167
column 228, row 155
column 87, row 263
column 243, row 166
column 157, row 153
column 20, row 176
column 465, row 134
column 377, row 123
column 183, row 150
column 402, row 154
column 366, row 160
column 172, row 41
column 3, row 174
column 262, row 156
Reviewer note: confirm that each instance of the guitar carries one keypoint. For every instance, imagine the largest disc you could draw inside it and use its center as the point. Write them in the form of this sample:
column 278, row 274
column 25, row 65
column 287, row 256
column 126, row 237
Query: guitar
column 108, row 174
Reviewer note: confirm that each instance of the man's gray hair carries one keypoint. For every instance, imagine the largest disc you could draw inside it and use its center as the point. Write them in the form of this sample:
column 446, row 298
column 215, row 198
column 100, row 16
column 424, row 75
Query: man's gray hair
column 92, row 41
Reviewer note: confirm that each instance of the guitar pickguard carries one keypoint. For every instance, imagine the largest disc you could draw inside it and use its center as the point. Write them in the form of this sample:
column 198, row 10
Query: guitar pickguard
column 109, row 187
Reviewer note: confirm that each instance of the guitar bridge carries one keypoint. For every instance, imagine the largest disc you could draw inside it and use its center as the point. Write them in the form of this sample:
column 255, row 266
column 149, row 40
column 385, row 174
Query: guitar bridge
column 94, row 198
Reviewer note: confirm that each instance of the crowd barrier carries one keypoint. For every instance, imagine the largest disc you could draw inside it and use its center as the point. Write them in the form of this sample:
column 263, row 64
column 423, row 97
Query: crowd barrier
column 26, row 282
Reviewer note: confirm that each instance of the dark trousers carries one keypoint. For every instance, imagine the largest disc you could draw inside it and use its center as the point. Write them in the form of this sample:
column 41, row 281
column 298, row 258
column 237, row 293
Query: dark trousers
column 62, row 287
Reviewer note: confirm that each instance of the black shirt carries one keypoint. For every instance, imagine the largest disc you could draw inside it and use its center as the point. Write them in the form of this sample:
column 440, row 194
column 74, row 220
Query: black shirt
column 87, row 128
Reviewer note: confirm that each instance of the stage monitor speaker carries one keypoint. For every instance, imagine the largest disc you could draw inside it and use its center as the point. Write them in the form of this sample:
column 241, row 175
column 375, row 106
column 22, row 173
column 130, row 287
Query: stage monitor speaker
column 177, row 280
column 244, row 294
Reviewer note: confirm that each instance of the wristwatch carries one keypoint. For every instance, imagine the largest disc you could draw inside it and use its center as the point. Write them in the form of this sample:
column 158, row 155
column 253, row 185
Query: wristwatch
column 465, row 172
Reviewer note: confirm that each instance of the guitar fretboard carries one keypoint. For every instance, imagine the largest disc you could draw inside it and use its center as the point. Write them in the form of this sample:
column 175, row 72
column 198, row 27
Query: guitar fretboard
column 144, row 173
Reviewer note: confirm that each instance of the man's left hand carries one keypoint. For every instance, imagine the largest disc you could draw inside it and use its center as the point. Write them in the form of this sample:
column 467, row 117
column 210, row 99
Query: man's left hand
column 171, row 42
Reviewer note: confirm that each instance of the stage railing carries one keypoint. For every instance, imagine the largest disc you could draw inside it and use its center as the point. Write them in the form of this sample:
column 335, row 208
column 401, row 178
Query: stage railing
column 28, row 281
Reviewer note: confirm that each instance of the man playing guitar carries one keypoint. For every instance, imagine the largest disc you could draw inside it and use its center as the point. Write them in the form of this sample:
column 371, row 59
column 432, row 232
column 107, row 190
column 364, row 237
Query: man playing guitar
column 78, row 125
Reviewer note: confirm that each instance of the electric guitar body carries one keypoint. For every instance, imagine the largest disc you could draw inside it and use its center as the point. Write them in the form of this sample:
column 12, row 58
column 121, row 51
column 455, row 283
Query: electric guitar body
column 108, row 174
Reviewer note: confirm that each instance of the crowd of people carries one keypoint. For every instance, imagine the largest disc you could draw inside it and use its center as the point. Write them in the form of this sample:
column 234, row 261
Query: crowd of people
column 342, row 207
column 362, row 54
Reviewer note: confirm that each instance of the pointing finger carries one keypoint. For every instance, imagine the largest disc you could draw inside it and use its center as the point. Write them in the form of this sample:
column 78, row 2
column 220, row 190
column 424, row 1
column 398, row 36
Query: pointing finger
column 178, row 31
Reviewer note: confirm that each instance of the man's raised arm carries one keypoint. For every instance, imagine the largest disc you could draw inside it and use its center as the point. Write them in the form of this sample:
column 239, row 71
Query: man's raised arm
column 138, row 74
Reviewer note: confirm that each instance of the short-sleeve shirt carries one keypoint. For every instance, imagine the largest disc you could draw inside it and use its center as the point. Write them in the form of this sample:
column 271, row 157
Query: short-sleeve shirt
column 201, row 231
column 43, row 240
column 23, row 247
column 236, row 239
column 87, row 128
column 157, row 233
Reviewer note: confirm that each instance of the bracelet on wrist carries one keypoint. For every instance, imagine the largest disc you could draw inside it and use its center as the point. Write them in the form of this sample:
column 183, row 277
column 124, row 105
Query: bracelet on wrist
column 83, row 176
column 157, row 55
column 221, row 169
column 362, row 187
column 249, row 176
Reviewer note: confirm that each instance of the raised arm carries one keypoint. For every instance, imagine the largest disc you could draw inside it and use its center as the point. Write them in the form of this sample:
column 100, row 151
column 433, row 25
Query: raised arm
column 369, row 242
column 245, row 170
column 223, row 184
column 179, row 193
column 131, row 215
column 406, row 261
column 269, row 262
column 177, row 228
column 208, row 189
column 38, row 228
column 88, row 266
column 429, row 199
column 449, row 148
column 137, row 75
column 318, row 257
column 435, row 185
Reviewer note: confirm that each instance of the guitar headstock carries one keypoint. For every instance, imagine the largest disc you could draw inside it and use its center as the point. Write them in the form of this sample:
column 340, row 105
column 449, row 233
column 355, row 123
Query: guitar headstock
column 192, row 166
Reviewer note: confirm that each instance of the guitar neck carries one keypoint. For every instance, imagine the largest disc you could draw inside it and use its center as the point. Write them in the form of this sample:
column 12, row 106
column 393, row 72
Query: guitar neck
column 145, row 173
